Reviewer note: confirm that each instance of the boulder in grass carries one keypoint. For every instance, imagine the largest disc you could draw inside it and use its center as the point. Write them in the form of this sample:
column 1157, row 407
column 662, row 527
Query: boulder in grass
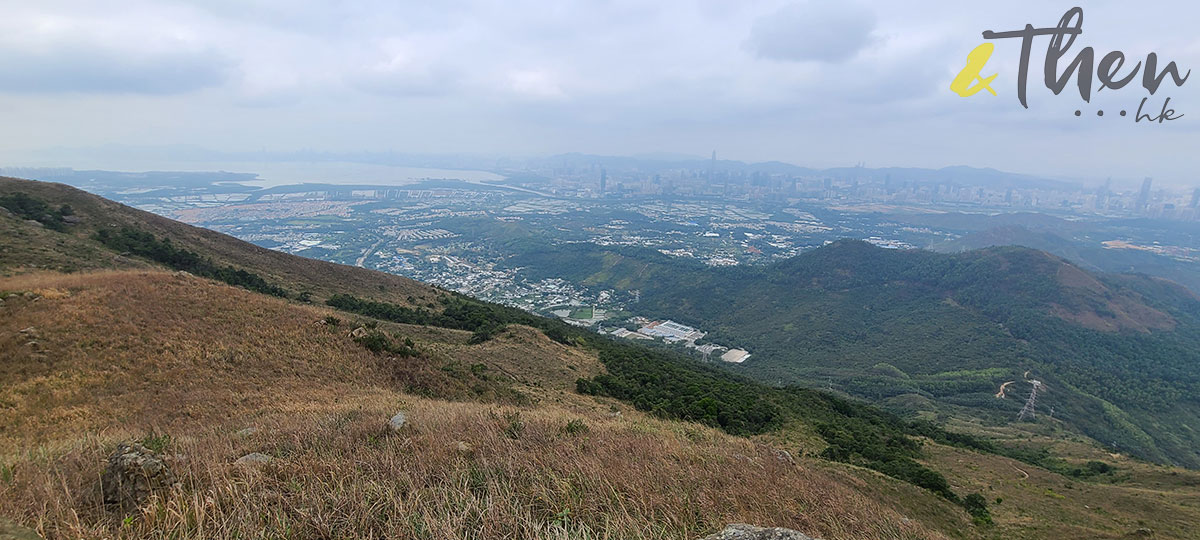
column 133, row 474
column 741, row 531
column 12, row 531
column 397, row 422
column 254, row 459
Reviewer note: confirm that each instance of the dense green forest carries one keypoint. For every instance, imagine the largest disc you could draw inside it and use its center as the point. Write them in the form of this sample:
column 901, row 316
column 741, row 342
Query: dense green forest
column 880, row 323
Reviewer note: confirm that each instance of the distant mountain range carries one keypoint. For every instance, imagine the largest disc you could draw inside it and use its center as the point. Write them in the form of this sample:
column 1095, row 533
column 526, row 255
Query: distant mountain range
column 648, row 163
column 955, row 175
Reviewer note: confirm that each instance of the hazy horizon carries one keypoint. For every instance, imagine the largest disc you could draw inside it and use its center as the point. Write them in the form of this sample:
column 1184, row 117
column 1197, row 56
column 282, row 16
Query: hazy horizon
column 335, row 167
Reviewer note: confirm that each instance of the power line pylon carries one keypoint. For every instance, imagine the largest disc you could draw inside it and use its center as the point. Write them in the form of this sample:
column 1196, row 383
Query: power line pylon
column 1028, row 410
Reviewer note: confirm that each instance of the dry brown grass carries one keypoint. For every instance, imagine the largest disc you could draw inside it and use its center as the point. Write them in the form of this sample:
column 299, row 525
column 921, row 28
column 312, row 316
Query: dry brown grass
column 191, row 349
column 1041, row 504
column 336, row 474
column 125, row 354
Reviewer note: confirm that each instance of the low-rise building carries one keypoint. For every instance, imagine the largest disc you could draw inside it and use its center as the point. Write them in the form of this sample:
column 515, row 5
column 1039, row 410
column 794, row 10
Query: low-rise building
column 735, row 356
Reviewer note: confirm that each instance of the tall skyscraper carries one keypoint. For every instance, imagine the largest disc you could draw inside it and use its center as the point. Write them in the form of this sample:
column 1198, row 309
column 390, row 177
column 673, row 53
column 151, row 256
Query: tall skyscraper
column 1103, row 194
column 1144, row 196
column 1195, row 199
column 603, row 180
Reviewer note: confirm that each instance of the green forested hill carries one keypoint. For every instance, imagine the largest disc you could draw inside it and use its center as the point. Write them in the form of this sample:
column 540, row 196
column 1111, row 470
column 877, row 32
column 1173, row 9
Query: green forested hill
column 1120, row 354
column 1087, row 255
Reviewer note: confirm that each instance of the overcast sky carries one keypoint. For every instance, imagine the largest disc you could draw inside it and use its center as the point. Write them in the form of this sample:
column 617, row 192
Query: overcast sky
column 813, row 83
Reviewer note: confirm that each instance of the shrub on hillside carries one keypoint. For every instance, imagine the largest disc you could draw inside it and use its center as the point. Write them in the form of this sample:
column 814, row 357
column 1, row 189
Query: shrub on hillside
column 27, row 207
column 144, row 244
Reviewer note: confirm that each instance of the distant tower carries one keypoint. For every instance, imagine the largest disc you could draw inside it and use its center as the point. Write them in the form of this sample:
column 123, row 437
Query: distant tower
column 1103, row 194
column 1144, row 196
column 603, row 180
column 1195, row 199
column 1027, row 412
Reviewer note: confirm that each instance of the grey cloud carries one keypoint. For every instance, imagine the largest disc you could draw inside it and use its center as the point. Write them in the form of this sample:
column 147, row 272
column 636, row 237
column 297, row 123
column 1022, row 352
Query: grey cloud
column 821, row 31
column 409, row 83
column 92, row 68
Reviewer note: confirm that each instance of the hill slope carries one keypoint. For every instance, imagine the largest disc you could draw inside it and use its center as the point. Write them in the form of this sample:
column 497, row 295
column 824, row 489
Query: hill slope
column 23, row 247
column 1121, row 353
column 137, row 354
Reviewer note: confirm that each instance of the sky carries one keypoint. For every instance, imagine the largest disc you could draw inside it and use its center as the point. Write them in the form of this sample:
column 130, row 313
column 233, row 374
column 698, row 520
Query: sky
column 815, row 83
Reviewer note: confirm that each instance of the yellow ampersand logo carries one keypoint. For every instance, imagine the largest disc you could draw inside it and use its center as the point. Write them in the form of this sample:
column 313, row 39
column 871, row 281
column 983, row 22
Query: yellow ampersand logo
column 975, row 62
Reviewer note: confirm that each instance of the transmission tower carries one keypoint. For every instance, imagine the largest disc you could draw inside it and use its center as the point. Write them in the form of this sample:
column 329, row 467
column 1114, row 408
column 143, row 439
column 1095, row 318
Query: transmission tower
column 1028, row 410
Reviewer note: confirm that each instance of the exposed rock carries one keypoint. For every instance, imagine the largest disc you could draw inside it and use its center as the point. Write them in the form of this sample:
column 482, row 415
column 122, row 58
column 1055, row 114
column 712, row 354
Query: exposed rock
column 253, row 459
column 5, row 212
column 184, row 274
column 463, row 448
column 359, row 332
column 134, row 473
column 34, row 222
column 29, row 331
column 741, row 531
column 397, row 422
column 244, row 433
column 72, row 219
column 785, row 456
column 12, row 531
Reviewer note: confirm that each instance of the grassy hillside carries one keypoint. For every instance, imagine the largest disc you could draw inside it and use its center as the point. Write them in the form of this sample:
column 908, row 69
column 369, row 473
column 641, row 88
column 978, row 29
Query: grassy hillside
column 1119, row 352
column 137, row 354
column 519, row 426
column 550, row 464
